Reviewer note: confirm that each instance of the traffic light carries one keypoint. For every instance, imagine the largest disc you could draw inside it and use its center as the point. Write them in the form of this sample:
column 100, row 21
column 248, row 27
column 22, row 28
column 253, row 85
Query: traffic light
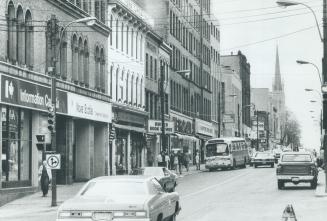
column 51, row 119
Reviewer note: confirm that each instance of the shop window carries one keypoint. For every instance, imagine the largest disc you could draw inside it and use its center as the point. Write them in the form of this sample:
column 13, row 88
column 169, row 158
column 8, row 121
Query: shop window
column 121, row 156
column 16, row 147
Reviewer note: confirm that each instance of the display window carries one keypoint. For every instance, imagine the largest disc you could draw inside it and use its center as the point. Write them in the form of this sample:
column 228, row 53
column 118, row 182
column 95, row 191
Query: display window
column 16, row 147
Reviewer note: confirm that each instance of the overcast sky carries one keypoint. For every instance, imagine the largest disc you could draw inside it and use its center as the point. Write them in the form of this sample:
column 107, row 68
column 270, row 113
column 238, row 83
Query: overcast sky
column 256, row 27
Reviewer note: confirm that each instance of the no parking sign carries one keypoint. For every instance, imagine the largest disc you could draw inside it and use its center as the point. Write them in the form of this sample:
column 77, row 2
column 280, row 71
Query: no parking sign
column 53, row 161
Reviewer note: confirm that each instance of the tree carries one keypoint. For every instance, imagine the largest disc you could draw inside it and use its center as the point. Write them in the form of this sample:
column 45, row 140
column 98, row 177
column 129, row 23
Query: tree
column 291, row 132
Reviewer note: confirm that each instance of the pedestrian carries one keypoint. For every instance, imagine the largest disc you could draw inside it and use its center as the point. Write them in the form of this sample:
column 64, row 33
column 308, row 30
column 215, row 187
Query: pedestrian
column 159, row 159
column 180, row 161
column 175, row 161
column 167, row 160
column 197, row 161
column 187, row 160
column 45, row 177
column 171, row 161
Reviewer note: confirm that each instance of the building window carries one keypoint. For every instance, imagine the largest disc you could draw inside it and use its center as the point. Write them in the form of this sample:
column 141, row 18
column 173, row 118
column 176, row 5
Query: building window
column 16, row 147
column 20, row 36
column 155, row 68
column 29, row 55
column 127, row 39
column 111, row 83
column 74, row 59
column 102, row 64
column 132, row 89
column 141, row 92
column 111, row 20
column 147, row 65
column 132, row 43
column 151, row 67
column 117, row 77
column 97, row 67
column 136, row 91
column 86, row 64
column 11, row 32
column 116, row 33
column 122, row 37
column 80, row 60
column 127, row 79
column 136, row 44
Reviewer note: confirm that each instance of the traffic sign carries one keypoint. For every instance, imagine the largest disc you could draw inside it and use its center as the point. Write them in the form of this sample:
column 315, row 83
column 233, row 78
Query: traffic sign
column 53, row 161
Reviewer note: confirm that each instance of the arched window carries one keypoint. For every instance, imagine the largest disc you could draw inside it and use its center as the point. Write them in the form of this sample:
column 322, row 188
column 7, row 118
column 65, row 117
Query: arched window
column 111, row 20
column 141, row 92
column 122, row 36
column 86, row 64
column 80, row 60
column 136, row 44
column 29, row 55
column 63, row 56
column 116, row 33
column 97, row 67
column 141, row 48
column 20, row 36
column 117, row 84
column 132, row 90
column 11, row 32
column 132, row 43
column 102, row 82
column 74, row 59
column 136, row 90
column 127, row 79
column 127, row 35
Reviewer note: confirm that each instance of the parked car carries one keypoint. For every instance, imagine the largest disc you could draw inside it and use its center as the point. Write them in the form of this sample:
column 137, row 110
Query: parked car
column 297, row 167
column 263, row 159
column 121, row 198
column 167, row 178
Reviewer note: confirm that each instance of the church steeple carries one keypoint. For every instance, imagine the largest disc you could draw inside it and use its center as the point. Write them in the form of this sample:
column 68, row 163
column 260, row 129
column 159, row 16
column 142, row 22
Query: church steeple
column 278, row 79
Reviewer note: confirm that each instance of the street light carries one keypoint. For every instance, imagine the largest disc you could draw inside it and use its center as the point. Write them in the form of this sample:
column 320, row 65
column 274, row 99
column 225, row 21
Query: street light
column 286, row 3
column 53, row 23
column 307, row 62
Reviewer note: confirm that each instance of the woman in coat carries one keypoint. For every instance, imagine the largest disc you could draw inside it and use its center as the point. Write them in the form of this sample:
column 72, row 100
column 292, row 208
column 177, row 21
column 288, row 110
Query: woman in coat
column 45, row 177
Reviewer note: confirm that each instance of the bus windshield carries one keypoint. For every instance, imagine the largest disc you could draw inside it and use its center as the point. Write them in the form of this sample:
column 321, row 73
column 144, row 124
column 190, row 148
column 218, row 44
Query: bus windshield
column 220, row 149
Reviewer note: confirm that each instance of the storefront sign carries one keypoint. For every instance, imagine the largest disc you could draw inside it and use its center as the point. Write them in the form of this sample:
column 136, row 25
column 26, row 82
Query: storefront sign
column 182, row 125
column 154, row 126
column 27, row 94
column 88, row 108
column 228, row 118
column 203, row 127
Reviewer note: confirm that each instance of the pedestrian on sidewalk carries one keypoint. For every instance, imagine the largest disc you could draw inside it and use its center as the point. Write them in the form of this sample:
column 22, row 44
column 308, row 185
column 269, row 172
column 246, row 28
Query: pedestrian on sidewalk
column 175, row 161
column 197, row 160
column 167, row 160
column 187, row 158
column 180, row 161
column 171, row 161
column 159, row 160
column 45, row 177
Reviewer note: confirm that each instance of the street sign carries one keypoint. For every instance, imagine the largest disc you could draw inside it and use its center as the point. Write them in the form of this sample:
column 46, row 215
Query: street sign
column 53, row 161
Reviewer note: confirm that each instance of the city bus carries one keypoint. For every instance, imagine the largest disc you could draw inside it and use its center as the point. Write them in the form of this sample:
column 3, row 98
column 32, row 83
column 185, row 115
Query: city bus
column 225, row 153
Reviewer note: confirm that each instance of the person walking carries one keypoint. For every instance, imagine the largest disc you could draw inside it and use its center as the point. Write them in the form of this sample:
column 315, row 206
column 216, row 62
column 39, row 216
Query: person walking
column 180, row 161
column 175, row 161
column 187, row 160
column 45, row 177
column 159, row 160
column 197, row 160
column 167, row 160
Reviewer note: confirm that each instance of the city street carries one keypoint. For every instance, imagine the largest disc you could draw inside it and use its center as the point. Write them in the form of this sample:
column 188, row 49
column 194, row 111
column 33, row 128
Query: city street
column 246, row 194
column 243, row 194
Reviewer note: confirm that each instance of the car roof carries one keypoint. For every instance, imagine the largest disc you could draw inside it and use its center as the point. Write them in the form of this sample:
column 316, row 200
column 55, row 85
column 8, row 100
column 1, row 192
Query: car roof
column 137, row 178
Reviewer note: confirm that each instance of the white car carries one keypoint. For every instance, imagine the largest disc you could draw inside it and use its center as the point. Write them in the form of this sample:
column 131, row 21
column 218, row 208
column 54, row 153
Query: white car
column 121, row 198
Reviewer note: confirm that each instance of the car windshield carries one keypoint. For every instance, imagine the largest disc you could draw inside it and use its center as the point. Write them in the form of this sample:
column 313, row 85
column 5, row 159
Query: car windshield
column 220, row 149
column 108, row 188
column 153, row 171
column 296, row 158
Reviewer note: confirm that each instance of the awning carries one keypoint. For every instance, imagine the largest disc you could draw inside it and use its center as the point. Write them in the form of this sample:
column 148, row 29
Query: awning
column 185, row 137
column 130, row 128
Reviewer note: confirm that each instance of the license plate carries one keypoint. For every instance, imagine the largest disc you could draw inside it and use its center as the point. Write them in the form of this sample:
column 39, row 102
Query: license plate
column 264, row 162
column 102, row 216
column 295, row 179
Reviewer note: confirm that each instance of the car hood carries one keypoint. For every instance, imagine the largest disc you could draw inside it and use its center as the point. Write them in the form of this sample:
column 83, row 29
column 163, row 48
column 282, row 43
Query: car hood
column 117, row 202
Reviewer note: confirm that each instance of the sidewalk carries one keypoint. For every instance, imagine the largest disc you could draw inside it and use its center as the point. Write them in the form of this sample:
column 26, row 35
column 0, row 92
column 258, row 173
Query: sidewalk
column 192, row 170
column 320, row 190
column 37, row 208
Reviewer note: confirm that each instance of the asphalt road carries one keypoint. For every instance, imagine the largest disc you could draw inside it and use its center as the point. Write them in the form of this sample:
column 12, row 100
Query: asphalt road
column 245, row 194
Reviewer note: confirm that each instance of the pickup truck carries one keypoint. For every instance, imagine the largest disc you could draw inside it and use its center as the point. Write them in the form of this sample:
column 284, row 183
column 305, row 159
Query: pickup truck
column 297, row 167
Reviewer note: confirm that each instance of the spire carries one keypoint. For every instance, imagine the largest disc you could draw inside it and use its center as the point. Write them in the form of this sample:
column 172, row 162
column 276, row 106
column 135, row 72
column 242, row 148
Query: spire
column 278, row 80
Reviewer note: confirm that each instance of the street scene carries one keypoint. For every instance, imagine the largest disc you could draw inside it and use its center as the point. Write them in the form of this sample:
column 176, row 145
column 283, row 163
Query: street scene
column 163, row 110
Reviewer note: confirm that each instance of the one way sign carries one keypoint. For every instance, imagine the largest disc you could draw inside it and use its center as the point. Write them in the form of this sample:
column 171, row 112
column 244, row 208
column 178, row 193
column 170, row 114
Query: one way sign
column 53, row 161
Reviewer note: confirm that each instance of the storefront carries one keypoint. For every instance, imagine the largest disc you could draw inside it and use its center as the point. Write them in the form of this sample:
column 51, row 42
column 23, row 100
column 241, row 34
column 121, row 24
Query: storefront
column 204, row 131
column 129, row 145
column 183, row 139
column 82, row 133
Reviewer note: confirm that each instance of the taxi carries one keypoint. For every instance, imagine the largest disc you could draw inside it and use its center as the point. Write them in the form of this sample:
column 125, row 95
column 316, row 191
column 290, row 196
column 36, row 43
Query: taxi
column 121, row 198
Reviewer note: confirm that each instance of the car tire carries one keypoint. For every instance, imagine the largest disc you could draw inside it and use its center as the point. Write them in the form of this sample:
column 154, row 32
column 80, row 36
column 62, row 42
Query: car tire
column 280, row 184
column 314, row 183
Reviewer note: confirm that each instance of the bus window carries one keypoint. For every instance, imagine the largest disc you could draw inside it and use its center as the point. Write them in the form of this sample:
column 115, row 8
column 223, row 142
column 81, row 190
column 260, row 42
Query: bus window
column 220, row 149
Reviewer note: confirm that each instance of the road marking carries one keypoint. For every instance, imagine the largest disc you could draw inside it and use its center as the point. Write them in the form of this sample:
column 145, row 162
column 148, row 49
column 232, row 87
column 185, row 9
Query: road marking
column 214, row 186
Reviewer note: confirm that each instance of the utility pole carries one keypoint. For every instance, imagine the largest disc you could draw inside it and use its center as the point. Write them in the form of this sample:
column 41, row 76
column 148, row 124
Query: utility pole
column 324, row 73
column 162, row 99
column 201, row 58
column 53, row 31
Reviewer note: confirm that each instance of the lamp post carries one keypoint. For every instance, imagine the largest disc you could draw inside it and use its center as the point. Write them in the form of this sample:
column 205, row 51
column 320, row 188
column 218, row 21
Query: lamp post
column 307, row 62
column 323, row 38
column 53, row 27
